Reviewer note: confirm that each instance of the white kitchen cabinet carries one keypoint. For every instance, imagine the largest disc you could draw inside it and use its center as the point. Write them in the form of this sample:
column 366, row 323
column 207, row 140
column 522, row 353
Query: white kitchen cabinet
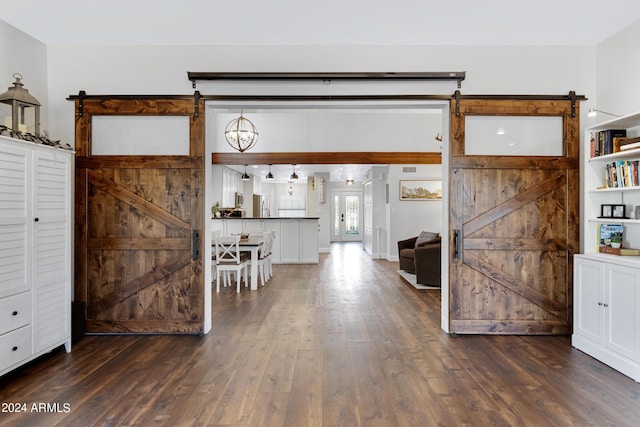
column 607, row 311
column 290, row 241
column 35, row 251
column 308, row 241
column 295, row 239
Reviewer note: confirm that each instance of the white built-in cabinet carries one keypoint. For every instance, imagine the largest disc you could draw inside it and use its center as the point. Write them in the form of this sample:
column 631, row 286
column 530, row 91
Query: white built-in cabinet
column 295, row 239
column 607, row 287
column 607, row 312
column 35, row 251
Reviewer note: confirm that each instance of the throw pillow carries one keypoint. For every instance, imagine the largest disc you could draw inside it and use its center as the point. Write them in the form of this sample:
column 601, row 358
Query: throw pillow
column 426, row 237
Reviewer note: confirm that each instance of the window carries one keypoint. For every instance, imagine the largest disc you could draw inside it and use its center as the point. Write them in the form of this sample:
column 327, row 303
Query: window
column 292, row 206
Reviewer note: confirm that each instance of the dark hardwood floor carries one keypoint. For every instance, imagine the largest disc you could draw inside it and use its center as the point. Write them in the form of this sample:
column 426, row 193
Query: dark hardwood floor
column 342, row 343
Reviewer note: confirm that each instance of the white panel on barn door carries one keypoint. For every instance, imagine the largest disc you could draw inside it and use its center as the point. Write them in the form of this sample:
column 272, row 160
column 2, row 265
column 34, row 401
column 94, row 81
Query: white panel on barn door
column 140, row 135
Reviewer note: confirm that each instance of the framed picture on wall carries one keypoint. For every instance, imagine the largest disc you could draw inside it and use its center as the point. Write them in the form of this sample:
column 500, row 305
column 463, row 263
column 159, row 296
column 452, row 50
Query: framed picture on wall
column 421, row 189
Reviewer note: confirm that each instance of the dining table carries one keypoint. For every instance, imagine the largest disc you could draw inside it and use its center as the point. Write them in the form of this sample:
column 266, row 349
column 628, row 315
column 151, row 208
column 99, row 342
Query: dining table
column 252, row 244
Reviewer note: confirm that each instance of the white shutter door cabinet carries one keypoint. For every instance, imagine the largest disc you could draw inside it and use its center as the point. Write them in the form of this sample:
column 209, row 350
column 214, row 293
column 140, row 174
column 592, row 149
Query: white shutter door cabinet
column 14, row 233
column 35, row 251
column 51, row 269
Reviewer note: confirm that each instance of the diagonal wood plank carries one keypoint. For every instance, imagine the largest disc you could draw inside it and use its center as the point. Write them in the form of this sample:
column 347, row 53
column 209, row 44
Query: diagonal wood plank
column 127, row 196
column 514, row 244
column 148, row 243
column 515, row 285
column 138, row 284
column 514, row 203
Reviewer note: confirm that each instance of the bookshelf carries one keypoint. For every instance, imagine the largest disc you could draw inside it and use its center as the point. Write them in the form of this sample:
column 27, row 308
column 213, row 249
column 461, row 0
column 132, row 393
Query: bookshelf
column 596, row 190
column 606, row 287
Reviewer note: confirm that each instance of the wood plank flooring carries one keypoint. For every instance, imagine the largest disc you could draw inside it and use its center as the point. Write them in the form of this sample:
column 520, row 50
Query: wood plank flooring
column 343, row 343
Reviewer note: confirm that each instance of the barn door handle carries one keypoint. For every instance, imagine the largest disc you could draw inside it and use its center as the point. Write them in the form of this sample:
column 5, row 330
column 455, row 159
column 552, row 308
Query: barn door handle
column 195, row 254
column 457, row 236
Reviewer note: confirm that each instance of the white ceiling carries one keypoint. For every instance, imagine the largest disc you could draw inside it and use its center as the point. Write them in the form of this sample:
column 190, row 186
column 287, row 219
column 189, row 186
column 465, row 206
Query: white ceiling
column 320, row 22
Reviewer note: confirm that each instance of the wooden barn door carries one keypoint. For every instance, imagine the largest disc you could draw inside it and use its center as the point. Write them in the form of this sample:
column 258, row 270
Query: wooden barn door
column 138, row 257
column 514, row 224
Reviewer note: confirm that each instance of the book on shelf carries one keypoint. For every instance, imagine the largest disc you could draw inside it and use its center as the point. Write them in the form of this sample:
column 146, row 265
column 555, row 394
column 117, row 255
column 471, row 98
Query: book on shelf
column 607, row 141
column 622, row 173
column 619, row 251
column 629, row 143
column 607, row 233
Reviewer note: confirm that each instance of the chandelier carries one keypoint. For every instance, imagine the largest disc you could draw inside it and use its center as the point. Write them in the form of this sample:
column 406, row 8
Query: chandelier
column 241, row 134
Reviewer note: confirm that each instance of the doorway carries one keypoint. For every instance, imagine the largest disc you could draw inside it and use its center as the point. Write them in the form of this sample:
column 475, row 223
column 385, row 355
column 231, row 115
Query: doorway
column 346, row 216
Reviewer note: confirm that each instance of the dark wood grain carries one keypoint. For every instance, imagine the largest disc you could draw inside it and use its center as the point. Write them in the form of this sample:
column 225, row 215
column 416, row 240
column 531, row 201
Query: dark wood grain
column 135, row 220
column 347, row 343
column 305, row 157
column 516, row 218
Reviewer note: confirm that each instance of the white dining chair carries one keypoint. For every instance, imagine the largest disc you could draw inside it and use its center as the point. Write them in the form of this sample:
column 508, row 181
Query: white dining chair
column 264, row 257
column 214, row 234
column 229, row 258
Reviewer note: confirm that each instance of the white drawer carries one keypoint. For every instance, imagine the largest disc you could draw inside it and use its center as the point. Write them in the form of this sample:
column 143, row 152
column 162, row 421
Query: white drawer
column 15, row 346
column 15, row 312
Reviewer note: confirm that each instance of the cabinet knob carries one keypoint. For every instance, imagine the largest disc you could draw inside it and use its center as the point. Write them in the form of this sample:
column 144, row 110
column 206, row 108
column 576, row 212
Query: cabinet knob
column 36, row 219
column 599, row 303
column 15, row 348
column 15, row 313
column 606, row 305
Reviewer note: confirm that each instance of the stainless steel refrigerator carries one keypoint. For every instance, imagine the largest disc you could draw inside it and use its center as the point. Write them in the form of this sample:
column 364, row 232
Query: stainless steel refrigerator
column 260, row 206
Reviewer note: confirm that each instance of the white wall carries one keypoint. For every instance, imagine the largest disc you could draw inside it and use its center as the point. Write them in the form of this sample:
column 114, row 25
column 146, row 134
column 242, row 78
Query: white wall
column 24, row 55
column 162, row 69
column 408, row 218
column 333, row 130
column 618, row 85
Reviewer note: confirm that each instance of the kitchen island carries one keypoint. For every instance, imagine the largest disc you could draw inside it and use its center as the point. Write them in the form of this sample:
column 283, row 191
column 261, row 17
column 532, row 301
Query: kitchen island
column 295, row 239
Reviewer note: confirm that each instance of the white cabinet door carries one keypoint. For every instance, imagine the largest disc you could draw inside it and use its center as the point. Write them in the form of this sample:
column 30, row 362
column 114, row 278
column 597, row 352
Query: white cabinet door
column 51, row 248
column 622, row 305
column 15, row 230
column 309, row 241
column 290, row 241
column 588, row 315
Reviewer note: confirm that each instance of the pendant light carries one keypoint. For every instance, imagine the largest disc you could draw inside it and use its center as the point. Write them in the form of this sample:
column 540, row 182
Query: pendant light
column 245, row 176
column 294, row 175
column 241, row 134
column 269, row 176
column 290, row 189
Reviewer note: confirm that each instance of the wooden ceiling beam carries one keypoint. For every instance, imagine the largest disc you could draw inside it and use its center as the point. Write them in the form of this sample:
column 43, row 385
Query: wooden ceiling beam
column 324, row 158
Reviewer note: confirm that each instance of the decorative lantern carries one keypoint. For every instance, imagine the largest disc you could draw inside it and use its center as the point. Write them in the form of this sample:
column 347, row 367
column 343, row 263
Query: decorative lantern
column 25, row 109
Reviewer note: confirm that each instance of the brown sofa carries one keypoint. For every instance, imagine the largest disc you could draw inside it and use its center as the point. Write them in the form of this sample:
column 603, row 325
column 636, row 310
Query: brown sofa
column 423, row 260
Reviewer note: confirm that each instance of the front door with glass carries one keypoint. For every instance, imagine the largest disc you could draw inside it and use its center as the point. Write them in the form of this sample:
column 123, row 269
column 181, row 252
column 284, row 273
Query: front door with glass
column 346, row 216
